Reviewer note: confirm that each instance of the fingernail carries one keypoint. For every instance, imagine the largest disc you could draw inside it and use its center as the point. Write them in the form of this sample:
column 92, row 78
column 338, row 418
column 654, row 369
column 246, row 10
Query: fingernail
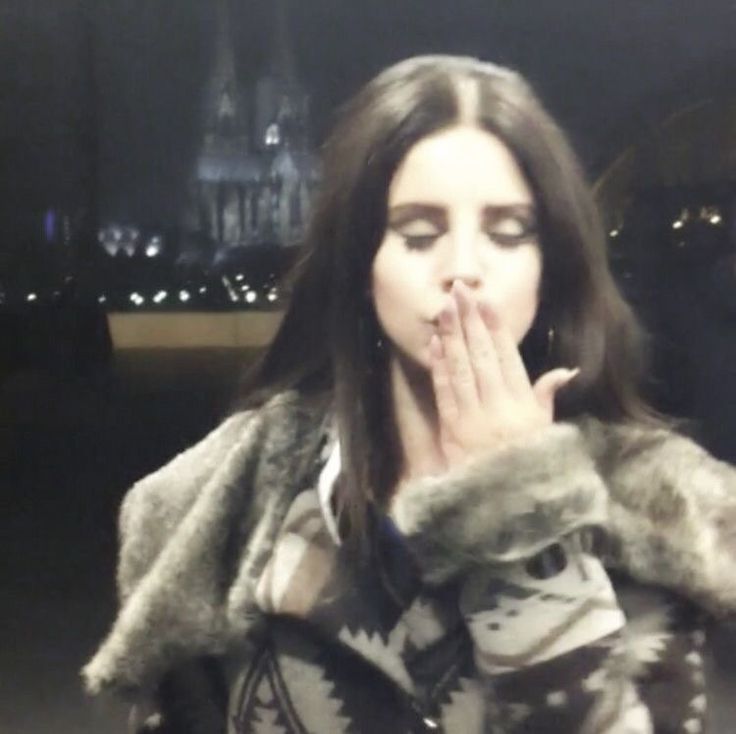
column 460, row 295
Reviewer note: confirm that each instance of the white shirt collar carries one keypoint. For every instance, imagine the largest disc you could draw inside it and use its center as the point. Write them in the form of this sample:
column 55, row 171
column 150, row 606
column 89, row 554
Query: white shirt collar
column 326, row 488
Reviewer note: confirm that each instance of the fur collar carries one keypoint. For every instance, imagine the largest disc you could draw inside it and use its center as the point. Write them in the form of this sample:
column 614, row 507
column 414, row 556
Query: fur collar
column 196, row 534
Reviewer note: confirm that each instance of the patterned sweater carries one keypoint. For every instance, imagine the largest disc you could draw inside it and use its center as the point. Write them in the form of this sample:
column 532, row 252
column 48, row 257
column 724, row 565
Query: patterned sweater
column 485, row 607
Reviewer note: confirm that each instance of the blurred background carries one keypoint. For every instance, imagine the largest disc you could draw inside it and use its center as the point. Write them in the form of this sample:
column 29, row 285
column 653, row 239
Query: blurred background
column 158, row 162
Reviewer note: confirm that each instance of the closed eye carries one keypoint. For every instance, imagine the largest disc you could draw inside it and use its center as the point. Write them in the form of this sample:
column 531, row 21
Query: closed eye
column 418, row 234
column 419, row 241
column 512, row 229
column 509, row 239
column 418, row 224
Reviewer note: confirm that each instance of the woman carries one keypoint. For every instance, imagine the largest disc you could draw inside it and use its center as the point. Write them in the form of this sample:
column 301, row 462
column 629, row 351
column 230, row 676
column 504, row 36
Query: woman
column 443, row 505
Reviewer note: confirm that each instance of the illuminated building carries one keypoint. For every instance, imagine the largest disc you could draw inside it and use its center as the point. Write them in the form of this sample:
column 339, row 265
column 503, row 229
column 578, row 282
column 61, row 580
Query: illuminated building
column 255, row 174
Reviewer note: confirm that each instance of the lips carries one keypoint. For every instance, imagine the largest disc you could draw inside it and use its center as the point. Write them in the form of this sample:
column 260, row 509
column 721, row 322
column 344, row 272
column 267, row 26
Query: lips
column 436, row 320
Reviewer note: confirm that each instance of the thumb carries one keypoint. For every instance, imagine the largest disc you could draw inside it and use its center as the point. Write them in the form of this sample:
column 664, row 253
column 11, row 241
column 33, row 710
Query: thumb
column 547, row 386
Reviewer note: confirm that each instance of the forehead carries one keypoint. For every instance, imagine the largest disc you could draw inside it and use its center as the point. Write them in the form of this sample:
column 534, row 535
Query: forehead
column 456, row 166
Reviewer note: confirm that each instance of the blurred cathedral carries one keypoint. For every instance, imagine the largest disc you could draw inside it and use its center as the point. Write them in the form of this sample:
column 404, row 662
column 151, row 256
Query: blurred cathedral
column 255, row 174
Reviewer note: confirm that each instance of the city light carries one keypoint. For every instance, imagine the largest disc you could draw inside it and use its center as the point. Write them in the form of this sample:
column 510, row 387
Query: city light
column 31, row 297
column 251, row 297
column 160, row 297
column 272, row 136
column 184, row 296
column 679, row 223
column 109, row 237
column 614, row 233
column 137, row 299
column 102, row 299
column 154, row 246
column 49, row 224
column 230, row 290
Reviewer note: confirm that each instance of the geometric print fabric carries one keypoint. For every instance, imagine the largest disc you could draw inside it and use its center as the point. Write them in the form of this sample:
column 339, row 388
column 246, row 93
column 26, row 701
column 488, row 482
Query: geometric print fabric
column 376, row 651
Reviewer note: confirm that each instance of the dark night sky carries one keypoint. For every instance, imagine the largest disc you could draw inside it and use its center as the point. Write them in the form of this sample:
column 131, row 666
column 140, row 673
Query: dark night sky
column 100, row 102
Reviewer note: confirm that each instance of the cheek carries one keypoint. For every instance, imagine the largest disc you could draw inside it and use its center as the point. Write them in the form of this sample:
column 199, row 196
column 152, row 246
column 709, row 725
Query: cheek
column 391, row 278
column 517, row 297
column 392, row 305
column 384, row 286
column 380, row 281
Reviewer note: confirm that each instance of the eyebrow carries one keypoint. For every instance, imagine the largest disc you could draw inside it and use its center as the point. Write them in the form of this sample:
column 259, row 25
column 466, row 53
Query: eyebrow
column 404, row 213
column 437, row 215
column 494, row 213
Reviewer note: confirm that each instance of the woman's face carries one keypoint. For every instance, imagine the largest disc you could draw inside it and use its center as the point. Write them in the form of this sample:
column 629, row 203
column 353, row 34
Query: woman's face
column 458, row 209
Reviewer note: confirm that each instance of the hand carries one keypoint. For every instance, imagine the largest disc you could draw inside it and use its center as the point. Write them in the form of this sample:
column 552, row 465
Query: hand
column 483, row 393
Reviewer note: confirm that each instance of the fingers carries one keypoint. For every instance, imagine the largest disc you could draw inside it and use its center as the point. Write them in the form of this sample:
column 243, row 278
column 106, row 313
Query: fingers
column 482, row 390
column 475, row 360
column 481, row 351
column 511, row 366
column 550, row 383
column 456, row 359
column 441, row 381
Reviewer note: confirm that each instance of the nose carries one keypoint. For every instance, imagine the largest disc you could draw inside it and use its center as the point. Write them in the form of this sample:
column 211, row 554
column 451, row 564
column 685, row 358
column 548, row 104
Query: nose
column 462, row 264
column 471, row 281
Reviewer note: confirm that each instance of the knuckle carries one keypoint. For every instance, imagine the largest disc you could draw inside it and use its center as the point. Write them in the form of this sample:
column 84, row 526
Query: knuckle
column 454, row 360
column 464, row 379
column 482, row 355
column 449, row 413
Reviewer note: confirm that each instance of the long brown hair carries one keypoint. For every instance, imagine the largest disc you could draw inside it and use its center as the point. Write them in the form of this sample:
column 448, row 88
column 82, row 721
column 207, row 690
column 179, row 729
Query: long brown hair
column 327, row 343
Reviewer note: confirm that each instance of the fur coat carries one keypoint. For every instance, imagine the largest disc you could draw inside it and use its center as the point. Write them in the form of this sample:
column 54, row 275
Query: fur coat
column 197, row 534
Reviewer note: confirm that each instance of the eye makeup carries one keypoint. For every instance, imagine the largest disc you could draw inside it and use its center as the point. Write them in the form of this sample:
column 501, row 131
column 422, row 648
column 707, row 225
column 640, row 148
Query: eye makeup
column 419, row 225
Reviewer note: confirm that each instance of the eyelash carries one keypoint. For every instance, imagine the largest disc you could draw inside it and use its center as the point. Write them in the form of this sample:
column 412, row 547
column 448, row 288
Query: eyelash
column 423, row 242
column 419, row 242
column 508, row 240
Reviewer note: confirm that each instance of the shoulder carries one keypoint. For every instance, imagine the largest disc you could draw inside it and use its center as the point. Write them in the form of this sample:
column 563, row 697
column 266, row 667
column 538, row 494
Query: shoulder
column 173, row 484
column 238, row 448
column 656, row 469
column 614, row 444
column 671, row 511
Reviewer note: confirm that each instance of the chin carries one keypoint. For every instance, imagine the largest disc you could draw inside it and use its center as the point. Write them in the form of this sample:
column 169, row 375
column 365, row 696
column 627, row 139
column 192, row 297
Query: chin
column 414, row 361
